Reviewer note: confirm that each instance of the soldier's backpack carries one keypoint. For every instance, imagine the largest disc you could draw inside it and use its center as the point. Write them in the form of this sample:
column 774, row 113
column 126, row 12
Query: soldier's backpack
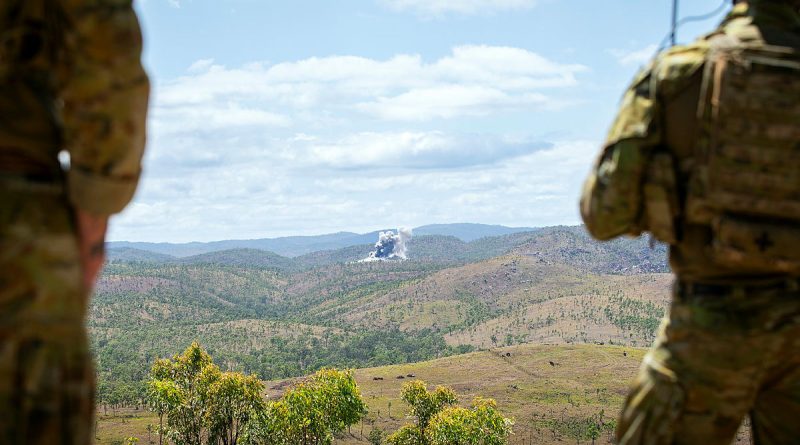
column 745, row 183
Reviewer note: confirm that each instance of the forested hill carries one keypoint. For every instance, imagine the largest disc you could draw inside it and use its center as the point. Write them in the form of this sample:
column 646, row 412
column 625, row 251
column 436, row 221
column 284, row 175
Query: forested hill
column 292, row 246
column 569, row 245
column 277, row 316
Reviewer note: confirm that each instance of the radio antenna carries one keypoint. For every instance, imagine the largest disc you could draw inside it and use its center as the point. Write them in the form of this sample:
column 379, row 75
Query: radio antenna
column 674, row 28
column 672, row 37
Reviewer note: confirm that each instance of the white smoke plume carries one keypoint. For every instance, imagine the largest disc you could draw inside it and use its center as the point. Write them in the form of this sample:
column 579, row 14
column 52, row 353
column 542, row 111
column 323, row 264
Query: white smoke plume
column 391, row 245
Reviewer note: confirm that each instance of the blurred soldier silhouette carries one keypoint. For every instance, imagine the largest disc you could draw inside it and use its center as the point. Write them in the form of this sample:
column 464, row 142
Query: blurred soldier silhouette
column 70, row 80
column 705, row 155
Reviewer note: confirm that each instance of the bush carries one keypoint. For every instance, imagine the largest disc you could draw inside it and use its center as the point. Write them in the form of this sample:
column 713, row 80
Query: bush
column 441, row 423
column 203, row 405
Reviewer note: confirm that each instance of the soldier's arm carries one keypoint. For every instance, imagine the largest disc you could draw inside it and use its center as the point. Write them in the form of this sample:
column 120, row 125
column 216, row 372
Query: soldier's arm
column 105, row 104
column 105, row 96
column 611, row 204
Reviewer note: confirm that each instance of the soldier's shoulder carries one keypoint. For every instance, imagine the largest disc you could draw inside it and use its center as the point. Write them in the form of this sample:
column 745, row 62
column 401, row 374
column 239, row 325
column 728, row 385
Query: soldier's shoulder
column 675, row 67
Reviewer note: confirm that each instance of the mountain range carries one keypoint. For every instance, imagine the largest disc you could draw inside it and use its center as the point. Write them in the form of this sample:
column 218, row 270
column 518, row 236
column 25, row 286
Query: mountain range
column 292, row 246
column 278, row 316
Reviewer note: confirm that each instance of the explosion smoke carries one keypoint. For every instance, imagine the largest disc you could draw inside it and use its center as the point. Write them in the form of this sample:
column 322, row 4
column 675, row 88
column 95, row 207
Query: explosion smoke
column 390, row 245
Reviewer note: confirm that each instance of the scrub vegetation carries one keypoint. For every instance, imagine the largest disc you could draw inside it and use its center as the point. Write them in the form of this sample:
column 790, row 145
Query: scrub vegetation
column 274, row 318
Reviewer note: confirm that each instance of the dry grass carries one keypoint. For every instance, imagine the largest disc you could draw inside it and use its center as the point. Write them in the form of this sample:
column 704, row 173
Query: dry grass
column 584, row 380
column 575, row 317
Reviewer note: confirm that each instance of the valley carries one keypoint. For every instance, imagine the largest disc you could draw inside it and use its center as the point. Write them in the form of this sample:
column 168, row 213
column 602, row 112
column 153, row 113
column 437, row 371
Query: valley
column 545, row 292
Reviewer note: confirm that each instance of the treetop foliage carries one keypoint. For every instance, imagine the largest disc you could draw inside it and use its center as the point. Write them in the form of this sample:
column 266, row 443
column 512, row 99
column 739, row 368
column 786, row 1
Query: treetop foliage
column 481, row 425
column 205, row 406
column 424, row 404
column 439, row 422
column 202, row 404
column 310, row 412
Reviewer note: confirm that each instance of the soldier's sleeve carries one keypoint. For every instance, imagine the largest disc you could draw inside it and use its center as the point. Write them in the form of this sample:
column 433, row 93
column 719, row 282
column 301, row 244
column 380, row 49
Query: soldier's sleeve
column 104, row 104
column 611, row 203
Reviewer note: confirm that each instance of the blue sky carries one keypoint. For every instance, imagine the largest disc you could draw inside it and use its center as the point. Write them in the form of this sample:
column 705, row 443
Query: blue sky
column 272, row 118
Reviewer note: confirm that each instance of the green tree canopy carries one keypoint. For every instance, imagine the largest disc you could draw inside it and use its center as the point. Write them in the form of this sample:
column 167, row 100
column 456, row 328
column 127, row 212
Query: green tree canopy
column 439, row 422
column 425, row 404
column 202, row 404
column 481, row 425
column 311, row 412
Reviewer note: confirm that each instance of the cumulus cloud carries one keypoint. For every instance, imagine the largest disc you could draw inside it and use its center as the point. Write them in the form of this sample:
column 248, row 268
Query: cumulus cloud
column 627, row 57
column 425, row 177
column 388, row 150
column 448, row 102
column 342, row 142
column 410, row 150
column 440, row 7
column 213, row 117
column 200, row 65
column 472, row 80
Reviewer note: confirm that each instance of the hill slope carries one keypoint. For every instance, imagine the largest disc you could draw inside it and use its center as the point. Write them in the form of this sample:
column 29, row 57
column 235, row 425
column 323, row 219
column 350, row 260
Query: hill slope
column 553, row 392
column 545, row 401
column 292, row 246
column 277, row 317
column 469, row 232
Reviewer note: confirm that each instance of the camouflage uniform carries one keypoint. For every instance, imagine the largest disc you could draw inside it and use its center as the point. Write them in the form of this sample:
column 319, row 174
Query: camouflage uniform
column 70, row 79
column 730, row 346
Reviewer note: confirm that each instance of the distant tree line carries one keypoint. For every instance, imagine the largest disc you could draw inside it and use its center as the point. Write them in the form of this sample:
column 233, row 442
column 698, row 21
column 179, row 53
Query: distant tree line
column 121, row 380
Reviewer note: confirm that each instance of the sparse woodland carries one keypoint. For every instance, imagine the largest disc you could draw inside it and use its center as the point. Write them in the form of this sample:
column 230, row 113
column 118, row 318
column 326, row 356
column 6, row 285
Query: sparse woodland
column 197, row 404
column 274, row 317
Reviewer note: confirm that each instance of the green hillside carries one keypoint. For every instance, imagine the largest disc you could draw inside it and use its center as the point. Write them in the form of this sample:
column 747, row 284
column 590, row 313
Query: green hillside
column 574, row 246
column 548, row 402
column 552, row 392
column 293, row 246
column 278, row 317
column 468, row 232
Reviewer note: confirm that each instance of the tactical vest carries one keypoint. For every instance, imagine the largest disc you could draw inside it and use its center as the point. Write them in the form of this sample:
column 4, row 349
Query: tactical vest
column 744, row 182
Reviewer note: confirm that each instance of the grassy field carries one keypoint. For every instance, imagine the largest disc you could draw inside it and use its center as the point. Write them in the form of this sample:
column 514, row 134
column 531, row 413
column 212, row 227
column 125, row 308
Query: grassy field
column 549, row 391
column 543, row 398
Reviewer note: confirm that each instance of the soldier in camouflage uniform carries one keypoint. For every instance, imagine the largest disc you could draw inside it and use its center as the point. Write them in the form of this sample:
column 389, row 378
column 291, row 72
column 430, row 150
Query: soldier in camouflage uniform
column 705, row 155
column 70, row 80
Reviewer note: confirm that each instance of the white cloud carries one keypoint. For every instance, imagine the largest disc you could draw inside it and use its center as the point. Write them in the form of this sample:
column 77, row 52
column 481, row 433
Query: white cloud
column 392, row 150
column 353, row 143
column 448, row 102
column 201, row 65
column 472, row 80
column 627, row 57
column 439, row 7
column 231, row 116
column 270, row 193
column 431, row 150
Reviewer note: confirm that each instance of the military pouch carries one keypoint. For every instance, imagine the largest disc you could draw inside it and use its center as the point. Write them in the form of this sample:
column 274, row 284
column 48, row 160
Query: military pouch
column 747, row 156
column 660, row 190
column 770, row 247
